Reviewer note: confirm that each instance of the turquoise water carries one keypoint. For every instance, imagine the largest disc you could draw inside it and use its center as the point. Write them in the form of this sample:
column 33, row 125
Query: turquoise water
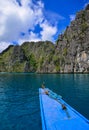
column 19, row 99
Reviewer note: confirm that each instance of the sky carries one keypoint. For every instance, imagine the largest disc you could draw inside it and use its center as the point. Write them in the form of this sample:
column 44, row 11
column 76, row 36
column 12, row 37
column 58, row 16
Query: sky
column 35, row 20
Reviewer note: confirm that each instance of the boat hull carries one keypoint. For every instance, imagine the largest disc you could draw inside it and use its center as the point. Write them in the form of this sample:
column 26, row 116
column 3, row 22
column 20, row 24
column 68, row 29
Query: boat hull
column 55, row 118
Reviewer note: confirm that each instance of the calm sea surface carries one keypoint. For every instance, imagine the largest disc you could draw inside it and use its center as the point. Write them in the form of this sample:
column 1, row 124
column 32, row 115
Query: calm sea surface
column 19, row 98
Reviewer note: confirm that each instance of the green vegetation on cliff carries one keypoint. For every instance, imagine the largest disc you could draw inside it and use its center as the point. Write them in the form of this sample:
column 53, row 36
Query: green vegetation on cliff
column 69, row 54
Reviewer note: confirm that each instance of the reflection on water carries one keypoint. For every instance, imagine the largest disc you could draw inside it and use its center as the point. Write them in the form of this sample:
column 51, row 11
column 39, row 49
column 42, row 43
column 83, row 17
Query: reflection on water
column 19, row 99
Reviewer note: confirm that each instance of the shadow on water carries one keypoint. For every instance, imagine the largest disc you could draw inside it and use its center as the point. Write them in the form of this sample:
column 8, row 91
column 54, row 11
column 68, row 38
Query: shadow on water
column 19, row 98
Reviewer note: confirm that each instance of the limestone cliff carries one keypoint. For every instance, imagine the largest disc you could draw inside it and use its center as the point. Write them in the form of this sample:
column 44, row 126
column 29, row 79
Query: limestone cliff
column 70, row 54
column 73, row 46
column 29, row 57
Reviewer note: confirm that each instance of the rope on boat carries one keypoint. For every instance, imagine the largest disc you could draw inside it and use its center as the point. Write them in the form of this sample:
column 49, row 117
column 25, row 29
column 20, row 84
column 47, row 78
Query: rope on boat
column 57, row 98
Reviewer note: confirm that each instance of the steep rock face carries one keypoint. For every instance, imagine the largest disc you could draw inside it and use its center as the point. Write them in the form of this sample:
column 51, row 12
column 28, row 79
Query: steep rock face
column 87, row 7
column 73, row 45
column 39, row 56
column 29, row 57
column 70, row 54
column 12, row 59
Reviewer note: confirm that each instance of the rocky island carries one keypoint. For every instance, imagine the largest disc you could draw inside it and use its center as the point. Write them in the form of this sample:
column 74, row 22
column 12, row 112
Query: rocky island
column 70, row 53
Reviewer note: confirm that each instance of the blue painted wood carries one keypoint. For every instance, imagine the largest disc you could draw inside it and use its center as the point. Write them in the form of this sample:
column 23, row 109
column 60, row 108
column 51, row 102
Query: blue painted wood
column 54, row 118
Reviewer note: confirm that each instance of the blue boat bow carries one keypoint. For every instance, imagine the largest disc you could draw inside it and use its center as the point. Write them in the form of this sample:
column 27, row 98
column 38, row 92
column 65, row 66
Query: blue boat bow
column 54, row 117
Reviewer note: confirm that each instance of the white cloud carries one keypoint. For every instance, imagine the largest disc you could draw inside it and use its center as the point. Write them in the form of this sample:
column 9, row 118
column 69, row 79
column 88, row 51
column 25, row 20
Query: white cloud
column 15, row 19
column 4, row 45
column 72, row 17
column 48, row 31
column 34, row 37
column 53, row 17
column 31, row 37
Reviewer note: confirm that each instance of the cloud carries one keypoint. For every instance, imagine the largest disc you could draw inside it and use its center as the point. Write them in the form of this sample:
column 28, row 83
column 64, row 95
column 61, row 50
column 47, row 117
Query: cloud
column 48, row 31
column 31, row 37
column 72, row 17
column 19, row 16
column 53, row 17
column 4, row 45
column 15, row 18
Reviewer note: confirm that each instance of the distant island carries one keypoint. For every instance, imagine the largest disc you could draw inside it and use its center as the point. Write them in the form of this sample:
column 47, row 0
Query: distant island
column 70, row 53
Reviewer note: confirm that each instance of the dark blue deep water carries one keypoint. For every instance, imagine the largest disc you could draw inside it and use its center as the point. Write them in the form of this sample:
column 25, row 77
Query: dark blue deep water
column 19, row 98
